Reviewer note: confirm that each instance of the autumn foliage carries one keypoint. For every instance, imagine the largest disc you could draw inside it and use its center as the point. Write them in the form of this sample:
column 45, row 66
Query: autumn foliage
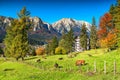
column 40, row 51
column 109, row 42
column 107, row 32
column 105, row 25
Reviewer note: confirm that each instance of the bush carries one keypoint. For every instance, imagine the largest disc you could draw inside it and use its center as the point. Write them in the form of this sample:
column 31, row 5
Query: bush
column 60, row 50
column 40, row 51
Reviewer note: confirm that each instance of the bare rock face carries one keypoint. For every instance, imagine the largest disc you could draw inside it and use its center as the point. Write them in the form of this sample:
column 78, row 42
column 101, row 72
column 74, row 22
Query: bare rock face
column 37, row 22
column 40, row 30
column 65, row 24
column 4, row 22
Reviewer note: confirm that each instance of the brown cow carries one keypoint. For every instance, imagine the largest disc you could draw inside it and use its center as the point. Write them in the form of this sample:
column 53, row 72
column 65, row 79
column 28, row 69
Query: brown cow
column 80, row 62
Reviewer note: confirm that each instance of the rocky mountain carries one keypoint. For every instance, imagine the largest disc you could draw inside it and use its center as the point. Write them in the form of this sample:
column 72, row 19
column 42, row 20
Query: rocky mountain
column 42, row 32
column 4, row 22
column 65, row 24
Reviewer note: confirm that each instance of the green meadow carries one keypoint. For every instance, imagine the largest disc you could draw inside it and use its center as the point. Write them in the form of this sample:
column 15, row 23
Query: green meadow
column 30, row 69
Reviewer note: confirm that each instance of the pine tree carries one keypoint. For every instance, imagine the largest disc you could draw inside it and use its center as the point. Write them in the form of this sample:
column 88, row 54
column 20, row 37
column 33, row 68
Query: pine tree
column 93, row 35
column 16, row 41
column 112, row 10
column 67, row 41
column 84, row 37
column 115, row 12
column 53, row 45
column 24, row 13
column 63, row 35
column 47, row 49
column 1, row 51
column 117, row 21
column 70, row 40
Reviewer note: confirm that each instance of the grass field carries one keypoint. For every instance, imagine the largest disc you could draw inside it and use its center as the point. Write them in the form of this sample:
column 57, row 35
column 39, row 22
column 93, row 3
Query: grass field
column 45, row 70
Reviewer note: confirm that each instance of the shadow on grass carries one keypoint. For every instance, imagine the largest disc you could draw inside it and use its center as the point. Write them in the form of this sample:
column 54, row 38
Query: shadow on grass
column 8, row 69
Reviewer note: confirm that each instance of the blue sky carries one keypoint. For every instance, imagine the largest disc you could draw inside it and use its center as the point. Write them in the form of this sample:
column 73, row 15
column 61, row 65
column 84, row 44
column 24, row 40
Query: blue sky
column 53, row 10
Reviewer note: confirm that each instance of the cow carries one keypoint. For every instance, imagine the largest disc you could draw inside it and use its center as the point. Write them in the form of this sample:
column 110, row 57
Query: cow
column 60, row 58
column 80, row 62
column 38, row 60
column 56, row 65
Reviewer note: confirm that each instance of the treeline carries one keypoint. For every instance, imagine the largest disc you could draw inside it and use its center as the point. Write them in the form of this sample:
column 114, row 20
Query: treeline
column 63, row 46
column 66, row 44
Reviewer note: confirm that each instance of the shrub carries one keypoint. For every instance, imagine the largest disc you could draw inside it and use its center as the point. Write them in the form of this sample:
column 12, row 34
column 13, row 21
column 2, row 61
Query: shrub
column 64, row 51
column 40, row 51
column 60, row 50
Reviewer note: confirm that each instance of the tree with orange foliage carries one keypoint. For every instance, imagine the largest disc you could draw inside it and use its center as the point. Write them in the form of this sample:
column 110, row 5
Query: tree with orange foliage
column 105, row 25
column 40, row 51
column 107, row 32
column 109, row 42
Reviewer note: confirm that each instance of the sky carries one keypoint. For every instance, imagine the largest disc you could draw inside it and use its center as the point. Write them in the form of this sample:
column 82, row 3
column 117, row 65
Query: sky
column 53, row 10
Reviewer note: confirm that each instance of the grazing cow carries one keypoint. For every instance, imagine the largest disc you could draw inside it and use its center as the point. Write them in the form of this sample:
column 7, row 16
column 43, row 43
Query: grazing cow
column 80, row 62
column 38, row 60
column 56, row 65
column 60, row 58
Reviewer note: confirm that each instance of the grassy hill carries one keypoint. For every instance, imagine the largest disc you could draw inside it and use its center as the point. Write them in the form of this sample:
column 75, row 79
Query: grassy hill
column 45, row 70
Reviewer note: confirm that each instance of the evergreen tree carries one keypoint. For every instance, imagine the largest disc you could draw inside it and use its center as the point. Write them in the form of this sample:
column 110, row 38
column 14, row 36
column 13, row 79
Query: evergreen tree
column 53, row 45
column 83, row 37
column 47, row 49
column 24, row 13
column 70, row 40
column 62, row 43
column 117, row 21
column 112, row 10
column 16, row 41
column 115, row 11
column 67, row 41
column 1, row 51
column 63, row 35
column 93, row 35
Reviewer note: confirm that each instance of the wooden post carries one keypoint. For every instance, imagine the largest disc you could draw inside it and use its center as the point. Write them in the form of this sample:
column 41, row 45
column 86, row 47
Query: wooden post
column 114, row 67
column 70, row 68
column 95, row 66
column 87, row 69
column 104, row 67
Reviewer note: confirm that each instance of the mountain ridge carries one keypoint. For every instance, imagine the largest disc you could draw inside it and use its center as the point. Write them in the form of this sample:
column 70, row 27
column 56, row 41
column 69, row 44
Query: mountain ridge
column 65, row 24
column 43, row 31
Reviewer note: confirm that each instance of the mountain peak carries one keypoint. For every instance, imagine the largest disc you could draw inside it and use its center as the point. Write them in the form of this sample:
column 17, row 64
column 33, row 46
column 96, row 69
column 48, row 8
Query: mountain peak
column 65, row 20
column 66, row 24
